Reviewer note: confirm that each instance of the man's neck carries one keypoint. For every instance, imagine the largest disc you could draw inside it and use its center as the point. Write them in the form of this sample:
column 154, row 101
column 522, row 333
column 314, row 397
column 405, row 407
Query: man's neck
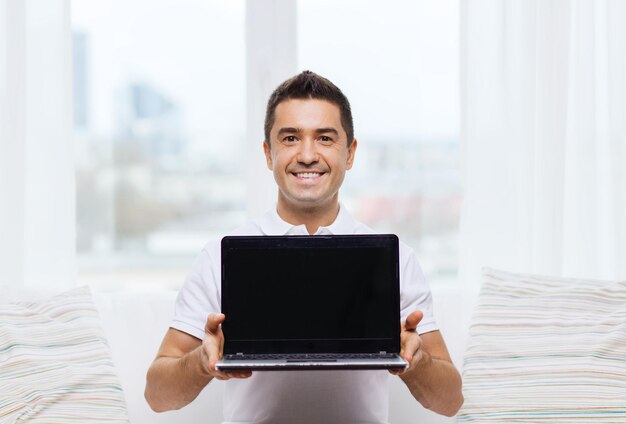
column 312, row 218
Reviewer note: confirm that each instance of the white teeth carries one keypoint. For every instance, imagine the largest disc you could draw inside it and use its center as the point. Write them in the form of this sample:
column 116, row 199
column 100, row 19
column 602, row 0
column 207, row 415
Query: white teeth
column 308, row 174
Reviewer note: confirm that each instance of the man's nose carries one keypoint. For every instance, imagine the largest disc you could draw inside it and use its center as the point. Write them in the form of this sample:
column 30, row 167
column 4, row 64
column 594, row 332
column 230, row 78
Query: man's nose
column 308, row 152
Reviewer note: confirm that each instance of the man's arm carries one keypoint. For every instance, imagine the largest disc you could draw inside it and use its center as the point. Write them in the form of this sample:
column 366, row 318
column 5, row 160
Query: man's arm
column 185, row 365
column 431, row 377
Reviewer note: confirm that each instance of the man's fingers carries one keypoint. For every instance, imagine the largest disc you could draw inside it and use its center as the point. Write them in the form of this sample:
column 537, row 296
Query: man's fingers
column 410, row 349
column 213, row 348
column 214, row 356
column 213, row 323
column 411, row 345
column 412, row 320
column 239, row 374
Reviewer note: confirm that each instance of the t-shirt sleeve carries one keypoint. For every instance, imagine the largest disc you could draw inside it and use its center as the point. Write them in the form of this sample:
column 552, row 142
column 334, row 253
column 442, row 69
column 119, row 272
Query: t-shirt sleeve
column 415, row 292
column 199, row 295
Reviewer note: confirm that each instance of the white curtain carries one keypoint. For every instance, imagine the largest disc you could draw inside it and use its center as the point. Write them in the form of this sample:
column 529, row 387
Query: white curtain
column 544, row 137
column 271, row 58
column 37, row 190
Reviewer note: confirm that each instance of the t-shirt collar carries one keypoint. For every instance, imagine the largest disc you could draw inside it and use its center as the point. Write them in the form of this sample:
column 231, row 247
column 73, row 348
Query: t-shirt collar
column 272, row 224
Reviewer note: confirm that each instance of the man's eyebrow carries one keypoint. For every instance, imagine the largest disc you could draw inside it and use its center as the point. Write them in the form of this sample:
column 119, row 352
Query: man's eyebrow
column 292, row 130
column 327, row 130
column 289, row 130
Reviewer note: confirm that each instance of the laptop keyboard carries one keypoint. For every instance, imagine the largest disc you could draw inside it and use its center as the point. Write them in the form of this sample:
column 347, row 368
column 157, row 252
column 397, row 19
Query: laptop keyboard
column 310, row 356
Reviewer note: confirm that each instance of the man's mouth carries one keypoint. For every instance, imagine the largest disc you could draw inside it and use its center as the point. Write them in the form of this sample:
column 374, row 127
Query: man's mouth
column 308, row 175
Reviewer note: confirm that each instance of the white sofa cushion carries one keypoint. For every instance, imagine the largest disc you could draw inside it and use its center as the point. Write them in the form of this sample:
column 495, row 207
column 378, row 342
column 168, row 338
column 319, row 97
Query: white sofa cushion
column 55, row 365
column 135, row 322
column 546, row 349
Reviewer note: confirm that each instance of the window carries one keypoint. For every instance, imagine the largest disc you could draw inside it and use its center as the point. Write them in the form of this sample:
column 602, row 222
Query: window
column 160, row 104
column 159, row 124
column 397, row 61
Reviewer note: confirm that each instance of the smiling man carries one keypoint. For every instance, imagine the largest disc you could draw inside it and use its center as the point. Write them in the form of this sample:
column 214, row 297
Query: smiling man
column 309, row 145
column 309, row 155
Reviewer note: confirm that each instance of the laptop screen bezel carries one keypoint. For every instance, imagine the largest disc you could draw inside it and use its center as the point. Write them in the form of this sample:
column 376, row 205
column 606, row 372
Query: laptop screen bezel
column 232, row 345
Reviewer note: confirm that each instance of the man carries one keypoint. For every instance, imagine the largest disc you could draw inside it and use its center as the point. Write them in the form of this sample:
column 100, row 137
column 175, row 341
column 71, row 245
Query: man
column 309, row 144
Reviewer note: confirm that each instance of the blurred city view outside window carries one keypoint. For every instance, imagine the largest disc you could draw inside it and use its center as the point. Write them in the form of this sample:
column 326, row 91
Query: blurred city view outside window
column 159, row 114
column 159, row 117
column 397, row 61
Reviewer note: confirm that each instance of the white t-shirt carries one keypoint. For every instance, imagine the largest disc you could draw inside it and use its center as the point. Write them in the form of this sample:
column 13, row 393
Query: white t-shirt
column 299, row 396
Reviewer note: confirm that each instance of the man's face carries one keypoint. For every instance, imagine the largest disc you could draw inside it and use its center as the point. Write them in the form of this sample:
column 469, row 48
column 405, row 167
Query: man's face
column 308, row 153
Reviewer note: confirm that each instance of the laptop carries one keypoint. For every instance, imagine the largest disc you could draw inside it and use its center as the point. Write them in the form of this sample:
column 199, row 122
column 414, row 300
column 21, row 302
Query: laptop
column 311, row 302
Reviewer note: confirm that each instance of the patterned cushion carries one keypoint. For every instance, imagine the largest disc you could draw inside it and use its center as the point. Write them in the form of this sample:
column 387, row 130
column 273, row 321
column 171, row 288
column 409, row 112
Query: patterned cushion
column 55, row 365
column 546, row 349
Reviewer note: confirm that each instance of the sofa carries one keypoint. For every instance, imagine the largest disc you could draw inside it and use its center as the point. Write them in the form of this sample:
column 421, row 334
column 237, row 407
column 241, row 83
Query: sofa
column 135, row 322
column 531, row 348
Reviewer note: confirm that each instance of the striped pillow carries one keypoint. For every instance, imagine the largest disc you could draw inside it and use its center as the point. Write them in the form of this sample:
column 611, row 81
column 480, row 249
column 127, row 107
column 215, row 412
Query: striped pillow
column 546, row 349
column 55, row 364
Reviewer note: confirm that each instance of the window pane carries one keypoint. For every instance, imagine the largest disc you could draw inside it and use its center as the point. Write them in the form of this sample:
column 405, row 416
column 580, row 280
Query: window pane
column 397, row 61
column 159, row 118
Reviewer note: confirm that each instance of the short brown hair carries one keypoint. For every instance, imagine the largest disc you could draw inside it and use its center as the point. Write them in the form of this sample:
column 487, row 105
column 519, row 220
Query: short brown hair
column 309, row 85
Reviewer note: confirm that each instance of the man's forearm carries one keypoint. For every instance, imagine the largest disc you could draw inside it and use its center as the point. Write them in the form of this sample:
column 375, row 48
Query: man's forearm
column 174, row 382
column 436, row 384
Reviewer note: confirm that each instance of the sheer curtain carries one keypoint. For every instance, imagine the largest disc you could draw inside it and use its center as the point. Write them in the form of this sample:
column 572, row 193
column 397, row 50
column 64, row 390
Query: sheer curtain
column 37, row 229
column 544, row 137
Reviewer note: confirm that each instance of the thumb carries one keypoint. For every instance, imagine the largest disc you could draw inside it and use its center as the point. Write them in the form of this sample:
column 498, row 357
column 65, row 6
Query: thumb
column 412, row 320
column 213, row 323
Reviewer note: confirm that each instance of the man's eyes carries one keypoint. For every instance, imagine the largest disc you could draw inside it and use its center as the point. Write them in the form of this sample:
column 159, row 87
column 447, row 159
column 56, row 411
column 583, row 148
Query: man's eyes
column 322, row 138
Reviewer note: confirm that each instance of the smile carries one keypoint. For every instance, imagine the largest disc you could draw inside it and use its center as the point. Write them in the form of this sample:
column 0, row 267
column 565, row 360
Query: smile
column 308, row 175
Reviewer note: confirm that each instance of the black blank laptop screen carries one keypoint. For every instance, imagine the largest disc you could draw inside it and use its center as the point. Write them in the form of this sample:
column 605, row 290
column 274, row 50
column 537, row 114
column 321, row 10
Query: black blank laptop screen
column 314, row 295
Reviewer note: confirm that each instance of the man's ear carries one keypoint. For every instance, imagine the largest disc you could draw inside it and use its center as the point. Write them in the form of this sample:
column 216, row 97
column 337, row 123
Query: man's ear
column 268, row 155
column 351, row 153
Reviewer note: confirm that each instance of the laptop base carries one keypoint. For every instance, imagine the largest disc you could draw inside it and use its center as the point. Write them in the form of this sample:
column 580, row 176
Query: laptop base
column 226, row 365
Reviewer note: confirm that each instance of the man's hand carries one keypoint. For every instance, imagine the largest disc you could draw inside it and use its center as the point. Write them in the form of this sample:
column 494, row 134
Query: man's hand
column 213, row 349
column 185, row 365
column 410, row 342
column 430, row 376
